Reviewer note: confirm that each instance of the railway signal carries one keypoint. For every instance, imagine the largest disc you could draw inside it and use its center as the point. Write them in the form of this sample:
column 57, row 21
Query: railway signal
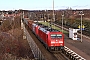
column 81, row 27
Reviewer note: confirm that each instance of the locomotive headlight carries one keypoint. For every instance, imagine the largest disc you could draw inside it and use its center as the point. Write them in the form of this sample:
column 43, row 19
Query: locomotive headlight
column 60, row 44
column 52, row 45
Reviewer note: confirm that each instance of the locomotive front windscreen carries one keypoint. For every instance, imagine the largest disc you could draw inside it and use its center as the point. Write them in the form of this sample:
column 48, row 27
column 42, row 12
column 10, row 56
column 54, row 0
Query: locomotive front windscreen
column 56, row 36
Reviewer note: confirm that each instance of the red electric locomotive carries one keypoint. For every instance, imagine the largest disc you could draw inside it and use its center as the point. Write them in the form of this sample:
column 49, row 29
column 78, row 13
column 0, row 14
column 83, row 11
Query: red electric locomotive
column 51, row 38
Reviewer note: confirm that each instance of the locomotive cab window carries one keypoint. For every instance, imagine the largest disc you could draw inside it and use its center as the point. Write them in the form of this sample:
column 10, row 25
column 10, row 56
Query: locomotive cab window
column 59, row 36
column 53, row 35
column 56, row 36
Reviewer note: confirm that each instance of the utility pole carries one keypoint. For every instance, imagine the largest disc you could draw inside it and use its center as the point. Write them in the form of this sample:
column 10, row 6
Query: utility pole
column 2, row 15
column 44, row 18
column 23, row 14
column 81, row 14
column 62, row 20
column 48, row 16
column 40, row 16
column 48, row 19
column 53, row 12
column 21, row 21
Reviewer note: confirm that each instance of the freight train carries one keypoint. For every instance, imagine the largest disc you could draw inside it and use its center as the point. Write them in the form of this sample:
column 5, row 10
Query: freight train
column 52, row 39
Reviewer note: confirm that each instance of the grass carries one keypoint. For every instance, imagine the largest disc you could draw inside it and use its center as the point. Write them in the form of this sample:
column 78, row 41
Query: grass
column 48, row 24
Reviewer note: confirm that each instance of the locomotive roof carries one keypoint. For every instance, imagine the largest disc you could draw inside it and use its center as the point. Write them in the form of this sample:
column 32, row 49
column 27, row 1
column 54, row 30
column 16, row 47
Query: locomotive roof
column 46, row 28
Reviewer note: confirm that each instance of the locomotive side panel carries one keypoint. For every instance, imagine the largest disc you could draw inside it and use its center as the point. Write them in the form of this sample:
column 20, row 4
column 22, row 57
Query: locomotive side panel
column 43, row 36
column 33, row 28
column 36, row 29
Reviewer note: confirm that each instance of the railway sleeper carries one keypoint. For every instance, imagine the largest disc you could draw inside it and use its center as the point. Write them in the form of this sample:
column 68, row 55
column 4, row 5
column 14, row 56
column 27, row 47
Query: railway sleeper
column 72, row 55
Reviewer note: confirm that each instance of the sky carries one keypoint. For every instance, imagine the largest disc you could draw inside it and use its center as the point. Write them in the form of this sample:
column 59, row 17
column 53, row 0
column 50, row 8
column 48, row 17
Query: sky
column 43, row 4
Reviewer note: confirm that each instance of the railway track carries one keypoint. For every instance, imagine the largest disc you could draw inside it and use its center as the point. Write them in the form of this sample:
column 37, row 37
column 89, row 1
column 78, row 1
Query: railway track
column 60, row 56
column 67, row 54
column 71, row 54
